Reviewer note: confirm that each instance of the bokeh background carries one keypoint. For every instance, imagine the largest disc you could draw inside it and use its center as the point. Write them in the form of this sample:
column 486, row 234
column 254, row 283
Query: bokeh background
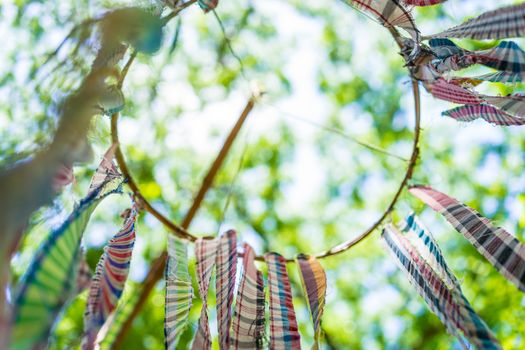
column 296, row 180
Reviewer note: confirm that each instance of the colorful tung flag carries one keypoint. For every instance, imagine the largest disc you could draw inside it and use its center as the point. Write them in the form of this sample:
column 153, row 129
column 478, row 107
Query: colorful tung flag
column 284, row 333
column 226, row 262
column 488, row 113
column 505, row 22
column 205, row 254
column 448, row 304
column 248, row 325
column 504, row 251
column 423, row 2
column 313, row 280
column 179, row 292
column 109, row 279
column 448, row 91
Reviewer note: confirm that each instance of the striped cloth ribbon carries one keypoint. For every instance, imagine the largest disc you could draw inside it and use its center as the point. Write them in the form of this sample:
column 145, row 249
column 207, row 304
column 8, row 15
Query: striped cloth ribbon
column 490, row 114
column 248, row 325
column 390, row 13
column 205, row 254
column 500, row 248
column 109, row 279
column 284, row 333
column 427, row 246
column 448, row 91
column 448, row 304
column 106, row 171
column 423, row 2
column 313, row 279
column 505, row 22
column 226, row 262
column 179, row 292
column 508, row 58
column 512, row 104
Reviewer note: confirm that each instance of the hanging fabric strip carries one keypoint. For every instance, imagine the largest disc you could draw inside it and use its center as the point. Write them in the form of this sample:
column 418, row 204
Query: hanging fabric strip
column 248, row 325
column 512, row 104
column 109, row 280
column 427, row 246
column 423, row 2
column 505, row 22
column 502, row 77
column 205, row 253
column 47, row 284
column 500, row 248
column 226, row 262
column 449, row 305
column 106, row 171
column 448, row 91
column 488, row 113
column 313, row 279
column 284, row 333
column 390, row 13
column 179, row 292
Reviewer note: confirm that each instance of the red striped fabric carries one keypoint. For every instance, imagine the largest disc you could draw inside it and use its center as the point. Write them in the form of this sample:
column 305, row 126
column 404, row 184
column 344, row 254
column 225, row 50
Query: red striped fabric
column 504, row 251
column 488, row 113
column 451, row 92
column 248, row 326
column 512, row 104
column 205, row 254
column 505, row 22
column 423, row 2
column 284, row 333
column 109, row 280
column 226, row 262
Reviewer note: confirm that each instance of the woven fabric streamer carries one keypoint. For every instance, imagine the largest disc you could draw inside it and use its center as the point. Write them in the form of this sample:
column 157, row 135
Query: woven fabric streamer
column 284, row 333
column 390, row 13
column 449, row 305
column 427, row 246
column 106, row 171
column 208, row 5
column 205, row 254
column 500, row 248
column 47, row 284
column 451, row 92
column 313, row 280
column 109, row 280
column 179, row 292
column 490, row 114
column 513, row 104
column 226, row 262
column 505, row 22
column 502, row 77
column 423, row 2
column 248, row 325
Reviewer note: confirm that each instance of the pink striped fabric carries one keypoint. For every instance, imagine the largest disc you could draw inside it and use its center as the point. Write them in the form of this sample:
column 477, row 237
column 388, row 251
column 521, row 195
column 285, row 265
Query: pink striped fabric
column 109, row 280
column 284, row 333
column 488, row 113
column 512, row 104
column 451, row 92
column 504, row 251
column 205, row 255
column 423, row 2
column 226, row 262
column 248, row 326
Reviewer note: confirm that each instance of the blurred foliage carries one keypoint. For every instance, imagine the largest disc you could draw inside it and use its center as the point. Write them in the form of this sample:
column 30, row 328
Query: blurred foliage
column 299, row 188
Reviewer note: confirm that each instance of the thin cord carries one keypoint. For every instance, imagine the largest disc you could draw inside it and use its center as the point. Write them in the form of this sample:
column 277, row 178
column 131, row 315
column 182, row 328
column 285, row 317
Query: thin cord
column 337, row 132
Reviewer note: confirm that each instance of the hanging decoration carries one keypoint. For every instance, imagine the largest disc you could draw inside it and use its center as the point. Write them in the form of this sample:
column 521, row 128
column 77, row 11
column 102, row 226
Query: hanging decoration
column 505, row 22
column 205, row 254
column 46, row 286
column 423, row 2
column 284, row 333
column 448, row 304
column 248, row 325
column 490, row 114
column 179, row 292
column 504, row 251
column 109, row 279
column 313, row 279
